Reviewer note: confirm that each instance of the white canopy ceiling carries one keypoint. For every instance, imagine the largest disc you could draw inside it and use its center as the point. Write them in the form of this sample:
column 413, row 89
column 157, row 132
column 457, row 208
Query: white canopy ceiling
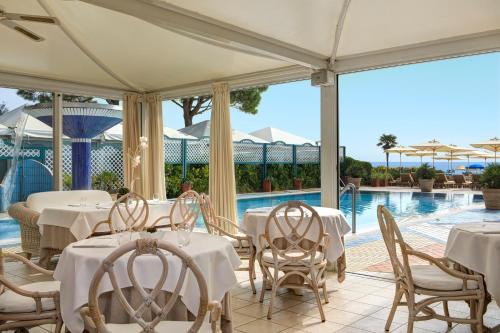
column 177, row 47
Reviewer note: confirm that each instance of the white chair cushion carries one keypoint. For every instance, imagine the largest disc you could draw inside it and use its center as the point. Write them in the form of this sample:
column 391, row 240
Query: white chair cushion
column 431, row 277
column 41, row 200
column 163, row 326
column 235, row 242
column 11, row 302
column 267, row 256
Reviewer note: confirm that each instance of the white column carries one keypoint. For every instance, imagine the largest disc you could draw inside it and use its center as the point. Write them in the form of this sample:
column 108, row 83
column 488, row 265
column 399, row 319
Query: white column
column 57, row 168
column 329, row 146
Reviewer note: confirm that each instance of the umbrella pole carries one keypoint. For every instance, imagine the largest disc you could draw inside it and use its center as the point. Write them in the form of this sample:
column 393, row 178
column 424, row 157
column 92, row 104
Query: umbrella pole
column 433, row 155
column 421, row 160
column 400, row 164
column 451, row 162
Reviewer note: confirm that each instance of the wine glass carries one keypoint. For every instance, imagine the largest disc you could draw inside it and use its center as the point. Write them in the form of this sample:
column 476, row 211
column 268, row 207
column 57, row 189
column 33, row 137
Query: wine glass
column 83, row 202
column 156, row 197
column 183, row 234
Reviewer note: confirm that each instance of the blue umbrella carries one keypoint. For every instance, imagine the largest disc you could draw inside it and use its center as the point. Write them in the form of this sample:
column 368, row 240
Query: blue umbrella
column 476, row 166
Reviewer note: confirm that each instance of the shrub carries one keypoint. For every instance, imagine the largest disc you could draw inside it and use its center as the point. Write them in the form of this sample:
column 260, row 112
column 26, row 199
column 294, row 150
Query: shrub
column 280, row 176
column 247, row 178
column 426, row 172
column 491, row 176
column 310, row 175
column 106, row 181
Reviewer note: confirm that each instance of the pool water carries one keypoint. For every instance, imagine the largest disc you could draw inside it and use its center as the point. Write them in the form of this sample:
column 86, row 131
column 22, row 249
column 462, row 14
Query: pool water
column 9, row 232
column 401, row 204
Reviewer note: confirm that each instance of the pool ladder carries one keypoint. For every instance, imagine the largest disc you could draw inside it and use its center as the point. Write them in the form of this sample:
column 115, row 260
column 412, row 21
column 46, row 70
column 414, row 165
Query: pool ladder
column 354, row 190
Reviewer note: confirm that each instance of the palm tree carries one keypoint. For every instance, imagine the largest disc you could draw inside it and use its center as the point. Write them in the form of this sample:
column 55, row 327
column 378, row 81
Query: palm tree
column 387, row 141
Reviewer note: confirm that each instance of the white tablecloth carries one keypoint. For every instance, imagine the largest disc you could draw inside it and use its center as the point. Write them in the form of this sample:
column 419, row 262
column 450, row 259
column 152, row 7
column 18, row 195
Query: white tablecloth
column 477, row 247
column 214, row 255
column 335, row 223
column 81, row 220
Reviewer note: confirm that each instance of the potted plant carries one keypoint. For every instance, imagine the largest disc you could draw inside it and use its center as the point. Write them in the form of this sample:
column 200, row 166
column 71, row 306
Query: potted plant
column 355, row 174
column 186, row 185
column 121, row 192
column 266, row 185
column 376, row 178
column 426, row 175
column 490, row 182
column 297, row 184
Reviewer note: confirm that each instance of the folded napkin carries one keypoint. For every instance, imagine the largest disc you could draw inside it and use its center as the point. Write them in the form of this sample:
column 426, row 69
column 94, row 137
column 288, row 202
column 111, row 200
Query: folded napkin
column 480, row 227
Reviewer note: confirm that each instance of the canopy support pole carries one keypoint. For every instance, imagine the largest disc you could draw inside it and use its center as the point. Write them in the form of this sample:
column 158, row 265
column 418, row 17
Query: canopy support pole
column 329, row 146
column 57, row 167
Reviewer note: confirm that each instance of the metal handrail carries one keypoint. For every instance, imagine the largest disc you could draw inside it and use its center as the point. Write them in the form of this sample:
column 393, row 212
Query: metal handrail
column 354, row 189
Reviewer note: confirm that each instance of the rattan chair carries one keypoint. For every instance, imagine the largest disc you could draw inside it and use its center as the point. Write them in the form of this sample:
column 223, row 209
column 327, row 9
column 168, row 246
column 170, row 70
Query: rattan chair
column 30, row 233
column 293, row 244
column 157, row 322
column 129, row 213
column 434, row 282
column 29, row 305
column 242, row 243
column 186, row 209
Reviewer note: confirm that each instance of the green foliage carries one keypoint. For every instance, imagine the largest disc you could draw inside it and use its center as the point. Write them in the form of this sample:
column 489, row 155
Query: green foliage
column 247, row 100
column 280, row 176
column 122, row 191
column 310, row 175
column 387, row 141
column 376, row 174
column 491, row 176
column 106, row 181
column 247, row 178
column 67, row 180
column 44, row 97
column 173, row 180
column 356, row 169
column 197, row 175
column 426, row 172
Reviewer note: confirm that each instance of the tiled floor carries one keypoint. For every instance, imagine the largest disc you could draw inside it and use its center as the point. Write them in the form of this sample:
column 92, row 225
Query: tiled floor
column 358, row 305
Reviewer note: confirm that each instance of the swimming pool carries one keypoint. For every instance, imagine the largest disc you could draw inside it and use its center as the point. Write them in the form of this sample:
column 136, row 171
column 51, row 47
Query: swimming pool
column 401, row 204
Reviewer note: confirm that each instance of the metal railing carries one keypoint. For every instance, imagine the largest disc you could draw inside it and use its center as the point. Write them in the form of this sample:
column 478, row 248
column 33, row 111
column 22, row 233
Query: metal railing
column 354, row 191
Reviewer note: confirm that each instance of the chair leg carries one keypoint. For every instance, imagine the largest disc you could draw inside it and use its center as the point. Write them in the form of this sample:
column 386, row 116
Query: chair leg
column 325, row 293
column 447, row 312
column 271, row 302
column 314, row 284
column 479, row 315
column 395, row 303
column 59, row 324
column 251, row 273
column 263, row 287
column 410, row 324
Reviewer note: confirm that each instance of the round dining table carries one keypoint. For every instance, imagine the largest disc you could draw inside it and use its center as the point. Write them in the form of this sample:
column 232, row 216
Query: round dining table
column 61, row 225
column 78, row 263
column 476, row 246
column 334, row 221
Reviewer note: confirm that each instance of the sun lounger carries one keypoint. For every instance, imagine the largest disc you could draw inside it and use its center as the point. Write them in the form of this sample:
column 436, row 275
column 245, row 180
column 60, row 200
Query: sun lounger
column 406, row 180
column 442, row 181
column 461, row 181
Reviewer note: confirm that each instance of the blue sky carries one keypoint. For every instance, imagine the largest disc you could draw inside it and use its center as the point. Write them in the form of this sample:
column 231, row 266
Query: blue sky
column 455, row 101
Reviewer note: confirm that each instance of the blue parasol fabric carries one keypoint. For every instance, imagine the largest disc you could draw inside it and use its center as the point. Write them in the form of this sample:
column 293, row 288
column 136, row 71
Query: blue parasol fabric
column 476, row 166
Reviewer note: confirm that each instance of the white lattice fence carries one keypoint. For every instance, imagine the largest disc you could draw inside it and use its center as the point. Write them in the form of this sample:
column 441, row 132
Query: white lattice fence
column 279, row 153
column 198, row 152
column 247, row 152
column 173, row 151
column 307, row 155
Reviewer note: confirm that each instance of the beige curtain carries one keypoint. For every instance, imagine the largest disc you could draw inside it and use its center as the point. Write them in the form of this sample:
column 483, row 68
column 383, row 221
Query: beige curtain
column 131, row 134
column 154, row 180
column 222, row 185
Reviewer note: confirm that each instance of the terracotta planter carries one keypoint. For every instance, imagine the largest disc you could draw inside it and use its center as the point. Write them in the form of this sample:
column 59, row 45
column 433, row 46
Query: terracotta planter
column 491, row 198
column 186, row 187
column 375, row 182
column 426, row 185
column 266, row 185
column 297, row 184
column 355, row 181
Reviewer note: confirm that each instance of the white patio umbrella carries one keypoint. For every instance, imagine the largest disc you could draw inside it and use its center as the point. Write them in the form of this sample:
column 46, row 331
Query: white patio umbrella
column 452, row 151
column 491, row 145
column 433, row 145
column 420, row 154
column 400, row 150
column 486, row 156
column 450, row 158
